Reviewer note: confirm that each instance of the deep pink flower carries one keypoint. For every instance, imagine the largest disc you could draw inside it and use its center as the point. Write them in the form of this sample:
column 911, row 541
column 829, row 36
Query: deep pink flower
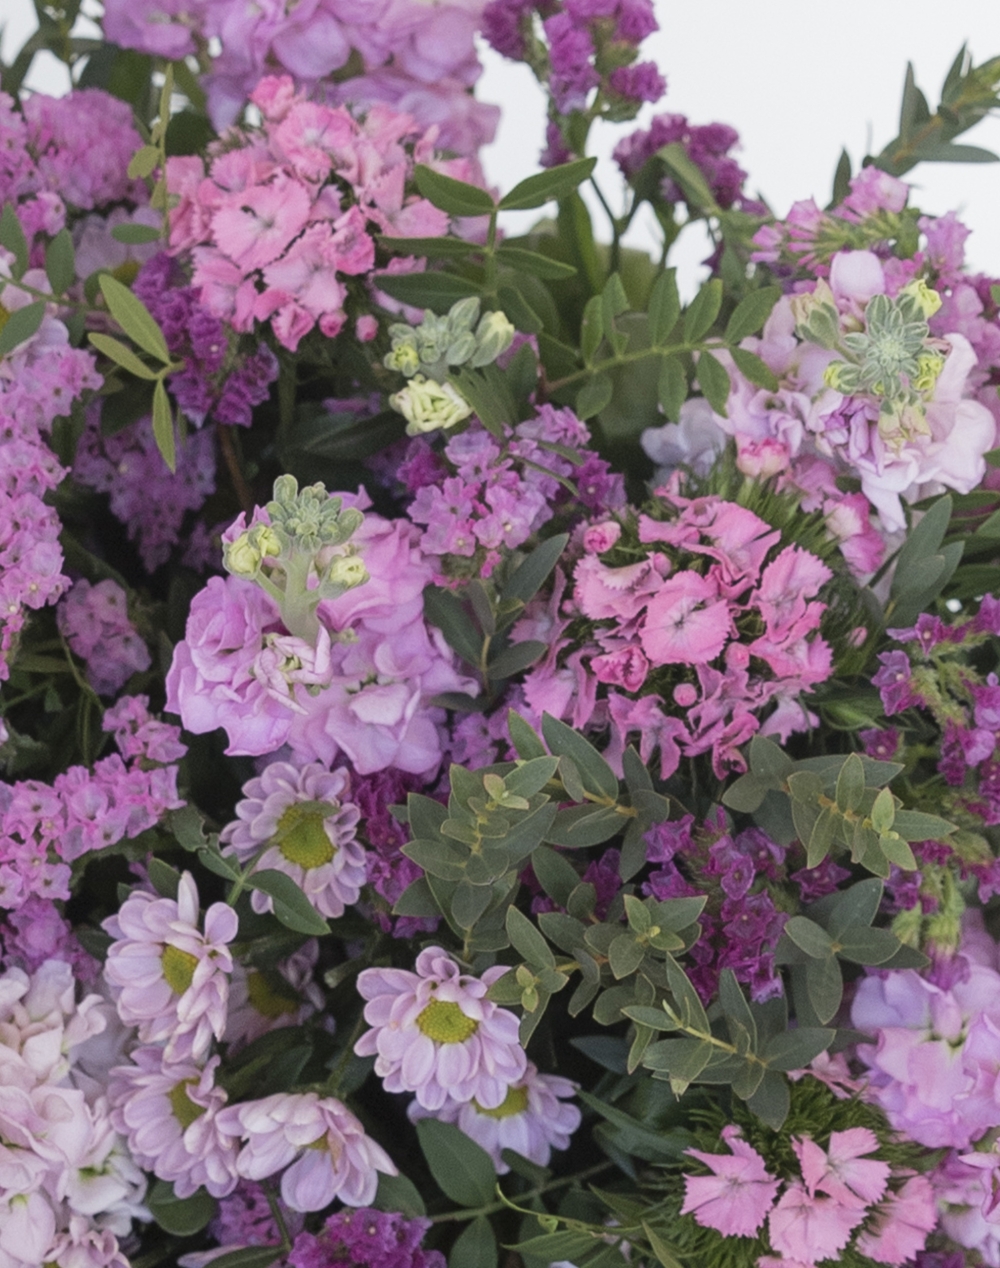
column 687, row 622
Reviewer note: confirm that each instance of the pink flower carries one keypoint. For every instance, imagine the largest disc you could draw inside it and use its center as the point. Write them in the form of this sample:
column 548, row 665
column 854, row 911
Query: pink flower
column 171, row 977
column 330, row 1153
column 902, row 1223
column 254, row 226
column 736, row 1198
column 810, row 1228
column 435, row 1033
column 687, row 623
column 841, row 1171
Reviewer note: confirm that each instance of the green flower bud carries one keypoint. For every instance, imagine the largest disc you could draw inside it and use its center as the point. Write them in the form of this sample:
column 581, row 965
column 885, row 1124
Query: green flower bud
column 241, row 557
column 403, row 358
column 347, row 571
column 429, row 406
column 494, row 335
column 462, row 315
column 922, row 297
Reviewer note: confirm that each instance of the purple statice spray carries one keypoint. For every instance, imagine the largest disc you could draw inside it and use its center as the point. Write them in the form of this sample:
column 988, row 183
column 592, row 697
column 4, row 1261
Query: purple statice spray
column 366, row 1238
column 94, row 621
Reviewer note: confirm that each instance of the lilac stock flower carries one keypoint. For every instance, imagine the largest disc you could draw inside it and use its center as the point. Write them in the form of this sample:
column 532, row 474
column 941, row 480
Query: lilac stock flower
column 435, row 1033
column 310, row 823
column 171, row 978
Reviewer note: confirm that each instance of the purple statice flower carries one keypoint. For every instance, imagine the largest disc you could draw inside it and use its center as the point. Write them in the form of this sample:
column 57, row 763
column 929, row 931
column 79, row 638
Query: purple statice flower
column 170, row 978
column 707, row 146
column 280, row 823
column 503, row 25
column 639, row 82
column 94, row 621
column 816, row 882
column 244, row 1218
column 37, row 932
column 329, row 1153
column 533, row 1120
column 366, row 1238
column 572, row 76
column 894, row 681
column 882, row 744
column 435, row 1033
column 169, row 1113
column 149, row 500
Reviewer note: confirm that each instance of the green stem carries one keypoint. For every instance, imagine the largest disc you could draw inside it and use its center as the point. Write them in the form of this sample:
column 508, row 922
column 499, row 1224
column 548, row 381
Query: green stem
column 279, row 1219
column 455, row 1217
column 627, row 358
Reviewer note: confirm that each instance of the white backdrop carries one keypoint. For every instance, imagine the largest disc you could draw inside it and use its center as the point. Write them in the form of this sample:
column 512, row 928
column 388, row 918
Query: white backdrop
column 798, row 81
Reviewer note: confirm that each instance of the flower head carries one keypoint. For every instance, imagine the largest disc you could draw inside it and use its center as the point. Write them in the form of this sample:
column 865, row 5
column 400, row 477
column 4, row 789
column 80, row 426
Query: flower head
column 737, row 1196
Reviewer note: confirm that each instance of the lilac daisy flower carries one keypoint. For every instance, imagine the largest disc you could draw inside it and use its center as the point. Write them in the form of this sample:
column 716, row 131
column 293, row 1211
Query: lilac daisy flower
column 330, row 1154
column 436, row 1034
column 532, row 1121
column 169, row 1113
column 308, row 826
column 171, row 979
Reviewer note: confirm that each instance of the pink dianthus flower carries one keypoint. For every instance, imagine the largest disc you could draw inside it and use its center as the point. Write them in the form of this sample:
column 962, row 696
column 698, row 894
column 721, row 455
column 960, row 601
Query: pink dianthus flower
column 736, row 1198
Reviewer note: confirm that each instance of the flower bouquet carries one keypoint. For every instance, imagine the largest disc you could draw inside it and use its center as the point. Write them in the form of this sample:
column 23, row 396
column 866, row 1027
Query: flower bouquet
column 500, row 765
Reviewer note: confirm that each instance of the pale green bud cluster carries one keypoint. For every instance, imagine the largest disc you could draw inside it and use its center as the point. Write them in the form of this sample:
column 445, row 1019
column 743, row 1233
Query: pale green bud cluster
column 452, row 340
column 303, row 556
column 429, row 406
column 816, row 317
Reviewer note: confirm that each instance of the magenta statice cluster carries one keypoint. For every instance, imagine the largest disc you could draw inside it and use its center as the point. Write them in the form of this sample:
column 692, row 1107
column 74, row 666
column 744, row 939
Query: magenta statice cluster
column 361, row 686
column 841, row 1196
column 418, row 57
column 366, row 1238
column 94, row 621
column 69, row 1188
column 218, row 381
column 149, row 499
column 489, row 495
column 713, row 615
column 46, row 827
column 282, row 217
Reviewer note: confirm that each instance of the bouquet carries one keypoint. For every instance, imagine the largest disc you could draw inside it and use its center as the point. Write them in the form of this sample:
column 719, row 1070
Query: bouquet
column 500, row 765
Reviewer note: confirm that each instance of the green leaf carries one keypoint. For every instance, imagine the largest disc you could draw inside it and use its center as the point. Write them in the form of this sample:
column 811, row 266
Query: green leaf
column 855, row 906
column 689, row 1007
column 703, row 311
column 166, row 879
column 427, row 290
column 462, row 1169
column 469, row 902
column 180, row 1216
column 659, row 1247
column 825, row 987
column 864, row 945
column 476, row 1248
column 664, row 308
column 531, row 777
column 532, row 573
column 841, row 179
column 453, row 196
column 534, row 263
column 397, row 1193
column 143, row 162
column 527, row 941
column 445, row 610
column 921, row 544
column 594, row 396
column 771, row 1101
column 13, row 239
column 20, row 325
column 438, row 858
column 591, row 329
column 445, row 247
column 546, row 186
column 515, row 659
column 134, row 318
column 850, row 784
column 689, row 176
column 291, row 906
column 163, row 425
column 526, row 743
column 134, row 234
column 60, row 262
column 945, row 152
column 580, row 826
column 214, row 861
column 754, row 369
column 883, row 811
column 914, row 825
column 250, row 1257
column 122, row 355
column 713, row 378
column 794, row 1049
column 597, row 775
column 672, row 387
column 416, row 900
column 810, row 937
column 737, row 1010
column 751, row 313
column 625, row 955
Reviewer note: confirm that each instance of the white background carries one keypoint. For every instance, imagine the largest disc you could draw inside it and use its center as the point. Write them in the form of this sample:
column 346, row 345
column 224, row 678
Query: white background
column 799, row 80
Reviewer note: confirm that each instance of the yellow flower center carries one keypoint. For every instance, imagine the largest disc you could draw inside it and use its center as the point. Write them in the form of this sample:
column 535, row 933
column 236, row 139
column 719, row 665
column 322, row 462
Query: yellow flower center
column 515, row 1102
column 184, row 1109
column 266, row 1000
column 178, row 968
column 302, row 838
column 444, row 1022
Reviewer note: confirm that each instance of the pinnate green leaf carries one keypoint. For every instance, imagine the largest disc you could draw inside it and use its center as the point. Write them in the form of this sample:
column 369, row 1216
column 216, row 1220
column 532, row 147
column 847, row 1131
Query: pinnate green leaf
column 134, row 318
column 454, row 196
column 537, row 190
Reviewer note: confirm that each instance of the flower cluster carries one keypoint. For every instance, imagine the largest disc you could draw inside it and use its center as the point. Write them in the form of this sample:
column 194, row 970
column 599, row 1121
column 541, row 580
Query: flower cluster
column 279, row 219
column 94, row 621
column 366, row 1239
column 45, row 827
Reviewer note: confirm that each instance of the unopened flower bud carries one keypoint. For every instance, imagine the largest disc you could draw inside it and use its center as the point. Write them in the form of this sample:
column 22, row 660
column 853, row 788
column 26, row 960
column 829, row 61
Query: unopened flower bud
column 403, row 358
column 930, row 366
column 347, row 571
column 429, row 406
column 926, row 300
column 494, row 335
column 241, row 557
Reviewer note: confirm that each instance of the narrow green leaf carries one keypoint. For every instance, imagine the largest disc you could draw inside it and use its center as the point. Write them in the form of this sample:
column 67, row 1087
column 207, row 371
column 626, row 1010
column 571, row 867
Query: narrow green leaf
column 591, row 329
column 455, row 197
column 946, row 152
column 713, row 378
column 771, row 1101
column 445, row 610
column 526, row 742
column 163, row 425
column 863, row 945
column 122, row 355
column 664, row 308
column 469, row 902
column 166, row 879
column 546, row 186
column 850, row 784
column 143, row 162
column 659, row 1247
column 291, row 906
column 134, row 318
column 754, row 369
column 810, row 937
column 437, row 291
column 796, row 1048
column 60, row 262
column 672, row 387
column 825, row 987
column 689, row 176
column 751, row 313
column 556, row 875
column 914, row 825
column 533, row 571
column 703, row 310
column 445, row 247
column 135, row 234
column 20, row 326
column 597, row 775
column 534, row 263
column 13, row 239
column 515, row 659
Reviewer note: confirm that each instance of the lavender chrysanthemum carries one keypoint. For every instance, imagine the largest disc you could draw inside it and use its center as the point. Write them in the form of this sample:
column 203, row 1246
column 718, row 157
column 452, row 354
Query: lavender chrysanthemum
column 436, row 1034
column 171, row 979
column 533, row 1120
column 305, row 816
column 330, row 1154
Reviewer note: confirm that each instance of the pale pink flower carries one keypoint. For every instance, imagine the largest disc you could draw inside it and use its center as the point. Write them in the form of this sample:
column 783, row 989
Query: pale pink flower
column 687, row 621
column 532, row 1121
column 330, row 1154
column 435, row 1033
column 254, row 226
column 736, row 1198
column 310, row 823
column 841, row 1171
column 810, row 1228
column 902, row 1223
column 170, row 976
column 170, row 1113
